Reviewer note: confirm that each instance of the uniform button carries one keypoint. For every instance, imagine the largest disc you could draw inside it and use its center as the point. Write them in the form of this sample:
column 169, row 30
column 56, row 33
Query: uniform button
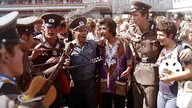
column 154, row 48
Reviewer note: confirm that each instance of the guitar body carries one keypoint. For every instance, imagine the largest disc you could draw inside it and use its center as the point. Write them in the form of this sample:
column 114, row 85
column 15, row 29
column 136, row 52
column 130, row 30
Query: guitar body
column 36, row 85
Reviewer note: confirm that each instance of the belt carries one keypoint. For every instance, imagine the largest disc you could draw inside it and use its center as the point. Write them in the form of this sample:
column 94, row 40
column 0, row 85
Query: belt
column 145, row 60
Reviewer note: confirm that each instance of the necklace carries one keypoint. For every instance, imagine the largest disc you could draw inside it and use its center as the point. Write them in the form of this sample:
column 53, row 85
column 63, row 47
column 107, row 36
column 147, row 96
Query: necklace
column 168, row 54
column 111, row 53
column 170, row 49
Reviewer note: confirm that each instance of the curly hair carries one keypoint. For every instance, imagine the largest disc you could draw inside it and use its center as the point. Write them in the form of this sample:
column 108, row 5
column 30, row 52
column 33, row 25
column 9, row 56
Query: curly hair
column 110, row 23
column 166, row 25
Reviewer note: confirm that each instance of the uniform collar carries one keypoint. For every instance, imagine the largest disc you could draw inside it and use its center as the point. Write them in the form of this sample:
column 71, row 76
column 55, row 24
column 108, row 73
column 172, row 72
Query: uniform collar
column 74, row 42
column 47, row 45
column 6, row 77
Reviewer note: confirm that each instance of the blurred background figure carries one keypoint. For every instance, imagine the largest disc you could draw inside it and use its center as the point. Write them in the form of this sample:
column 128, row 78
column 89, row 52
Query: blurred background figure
column 152, row 16
column 178, row 19
column 38, row 26
column 186, row 33
column 62, row 30
column 97, row 32
column 118, row 20
column 123, row 29
column 91, row 25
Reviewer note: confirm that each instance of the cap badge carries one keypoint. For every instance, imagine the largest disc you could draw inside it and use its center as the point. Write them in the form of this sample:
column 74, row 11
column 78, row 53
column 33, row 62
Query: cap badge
column 81, row 23
column 51, row 20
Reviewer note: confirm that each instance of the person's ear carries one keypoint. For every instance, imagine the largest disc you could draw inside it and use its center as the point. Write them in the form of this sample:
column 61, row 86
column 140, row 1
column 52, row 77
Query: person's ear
column 43, row 29
column 170, row 36
column 23, row 37
column 4, row 57
column 72, row 32
column 146, row 16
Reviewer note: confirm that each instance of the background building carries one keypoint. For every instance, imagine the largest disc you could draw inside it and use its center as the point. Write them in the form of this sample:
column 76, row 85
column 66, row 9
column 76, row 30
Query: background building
column 72, row 8
column 183, row 6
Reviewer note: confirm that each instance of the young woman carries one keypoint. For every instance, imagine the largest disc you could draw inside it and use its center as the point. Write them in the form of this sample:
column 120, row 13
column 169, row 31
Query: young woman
column 168, row 85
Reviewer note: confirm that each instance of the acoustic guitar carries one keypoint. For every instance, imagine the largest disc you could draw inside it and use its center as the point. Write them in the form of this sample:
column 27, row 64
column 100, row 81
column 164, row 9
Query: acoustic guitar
column 40, row 86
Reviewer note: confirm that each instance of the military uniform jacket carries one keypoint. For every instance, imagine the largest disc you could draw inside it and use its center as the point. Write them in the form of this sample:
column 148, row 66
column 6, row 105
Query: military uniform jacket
column 45, row 55
column 83, row 56
column 147, row 49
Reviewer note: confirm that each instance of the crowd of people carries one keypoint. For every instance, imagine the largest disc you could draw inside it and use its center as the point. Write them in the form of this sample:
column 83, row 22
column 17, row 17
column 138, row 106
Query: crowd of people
column 49, row 62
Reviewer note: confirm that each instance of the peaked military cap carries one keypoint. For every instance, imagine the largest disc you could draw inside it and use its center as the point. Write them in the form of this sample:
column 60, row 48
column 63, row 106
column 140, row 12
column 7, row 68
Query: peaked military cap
column 137, row 5
column 26, row 25
column 52, row 20
column 177, row 15
column 8, row 31
column 78, row 22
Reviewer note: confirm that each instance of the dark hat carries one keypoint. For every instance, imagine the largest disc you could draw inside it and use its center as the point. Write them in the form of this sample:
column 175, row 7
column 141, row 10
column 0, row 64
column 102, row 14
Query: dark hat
column 177, row 15
column 137, row 5
column 52, row 20
column 8, row 31
column 26, row 25
column 78, row 22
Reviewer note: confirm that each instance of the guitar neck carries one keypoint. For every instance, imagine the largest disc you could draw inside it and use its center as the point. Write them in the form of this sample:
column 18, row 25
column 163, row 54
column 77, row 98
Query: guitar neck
column 53, row 75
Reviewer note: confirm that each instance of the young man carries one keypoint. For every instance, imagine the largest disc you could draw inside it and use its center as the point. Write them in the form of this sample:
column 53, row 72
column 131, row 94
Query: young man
column 11, row 64
column 48, row 40
column 84, row 91
column 52, row 48
column 168, row 85
column 25, row 31
column 147, row 49
column 116, row 66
